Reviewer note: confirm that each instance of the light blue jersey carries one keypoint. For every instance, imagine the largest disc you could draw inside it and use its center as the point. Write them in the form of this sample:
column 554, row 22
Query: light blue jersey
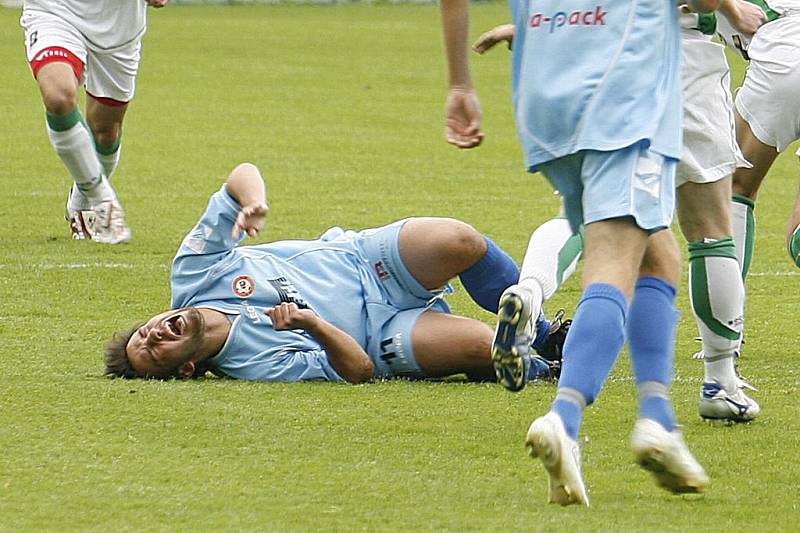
column 336, row 276
column 596, row 75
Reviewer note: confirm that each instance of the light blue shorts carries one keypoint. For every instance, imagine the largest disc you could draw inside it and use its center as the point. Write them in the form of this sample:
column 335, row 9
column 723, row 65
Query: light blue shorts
column 631, row 182
column 392, row 319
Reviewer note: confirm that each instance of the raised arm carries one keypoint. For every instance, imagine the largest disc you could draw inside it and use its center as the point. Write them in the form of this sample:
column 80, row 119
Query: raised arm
column 247, row 187
column 462, row 108
column 345, row 355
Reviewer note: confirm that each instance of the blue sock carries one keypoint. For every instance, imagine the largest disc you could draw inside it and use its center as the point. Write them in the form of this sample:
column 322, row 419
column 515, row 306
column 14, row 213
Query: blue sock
column 593, row 344
column 542, row 332
column 486, row 280
column 651, row 338
column 539, row 369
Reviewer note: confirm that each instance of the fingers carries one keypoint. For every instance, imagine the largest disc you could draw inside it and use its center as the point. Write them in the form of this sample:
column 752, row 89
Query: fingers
column 250, row 220
column 286, row 316
column 468, row 138
column 458, row 134
column 484, row 43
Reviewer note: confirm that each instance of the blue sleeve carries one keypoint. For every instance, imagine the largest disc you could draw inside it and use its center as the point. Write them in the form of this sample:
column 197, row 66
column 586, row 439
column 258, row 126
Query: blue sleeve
column 287, row 366
column 205, row 246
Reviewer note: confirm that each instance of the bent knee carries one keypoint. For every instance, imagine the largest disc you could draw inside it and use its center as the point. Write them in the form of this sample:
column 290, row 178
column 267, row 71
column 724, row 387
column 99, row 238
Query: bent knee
column 460, row 239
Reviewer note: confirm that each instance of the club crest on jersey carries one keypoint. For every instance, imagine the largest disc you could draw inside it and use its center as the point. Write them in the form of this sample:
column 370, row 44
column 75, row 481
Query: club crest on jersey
column 381, row 271
column 243, row 286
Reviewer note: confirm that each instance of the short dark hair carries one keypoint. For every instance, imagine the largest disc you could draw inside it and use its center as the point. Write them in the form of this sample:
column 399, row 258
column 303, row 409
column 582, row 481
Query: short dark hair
column 116, row 354
column 119, row 366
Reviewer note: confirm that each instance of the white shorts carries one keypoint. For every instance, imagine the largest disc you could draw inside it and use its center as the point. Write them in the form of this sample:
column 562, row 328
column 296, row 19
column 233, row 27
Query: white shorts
column 109, row 75
column 710, row 152
column 769, row 98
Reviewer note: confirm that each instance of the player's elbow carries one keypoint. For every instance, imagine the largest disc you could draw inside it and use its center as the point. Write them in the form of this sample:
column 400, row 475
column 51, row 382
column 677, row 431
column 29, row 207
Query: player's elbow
column 360, row 373
column 704, row 6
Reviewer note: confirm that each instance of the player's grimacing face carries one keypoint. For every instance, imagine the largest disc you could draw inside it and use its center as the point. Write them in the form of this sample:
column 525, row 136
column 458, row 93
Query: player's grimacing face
column 165, row 342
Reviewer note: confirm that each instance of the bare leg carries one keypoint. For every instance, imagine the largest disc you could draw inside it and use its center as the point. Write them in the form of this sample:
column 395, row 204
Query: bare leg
column 436, row 250
column 59, row 88
column 614, row 251
column 105, row 121
column 747, row 181
column 447, row 344
column 704, row 210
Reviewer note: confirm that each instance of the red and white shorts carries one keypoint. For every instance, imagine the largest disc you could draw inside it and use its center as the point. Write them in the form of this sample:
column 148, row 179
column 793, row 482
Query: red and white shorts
column 109, row 76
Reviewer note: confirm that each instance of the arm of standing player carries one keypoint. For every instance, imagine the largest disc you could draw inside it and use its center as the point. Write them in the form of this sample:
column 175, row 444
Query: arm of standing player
column 247, row 187
column 345, row 355
column 462, row 108
column 743, row 16
column 498, row 34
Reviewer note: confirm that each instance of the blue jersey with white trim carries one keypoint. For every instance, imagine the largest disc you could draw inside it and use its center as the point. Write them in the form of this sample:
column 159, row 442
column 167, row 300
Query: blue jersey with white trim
column 326, row 275
column 596, row 75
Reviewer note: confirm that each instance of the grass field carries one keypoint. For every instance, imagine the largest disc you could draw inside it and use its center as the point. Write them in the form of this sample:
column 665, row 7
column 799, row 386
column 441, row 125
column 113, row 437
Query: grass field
column 341, row 107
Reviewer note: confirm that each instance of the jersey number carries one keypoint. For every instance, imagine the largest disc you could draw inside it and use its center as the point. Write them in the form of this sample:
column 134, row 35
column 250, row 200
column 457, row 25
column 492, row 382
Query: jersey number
column 387, row 356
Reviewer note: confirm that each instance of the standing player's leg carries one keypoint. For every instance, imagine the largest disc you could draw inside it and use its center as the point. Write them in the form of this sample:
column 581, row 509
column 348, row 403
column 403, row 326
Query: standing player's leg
column 710, row 155
column 620, row 213
column 717, row 296
column 105, row 117
column 767, row 119
column 58, row 57
column 110, row 86
column 614, row 249
column 72, row 141
column 746, row 183
column 652, row 321
column 551, row 258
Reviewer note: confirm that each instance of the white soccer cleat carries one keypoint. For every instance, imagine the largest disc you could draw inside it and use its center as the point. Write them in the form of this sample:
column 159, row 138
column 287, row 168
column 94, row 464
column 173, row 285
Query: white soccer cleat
column 80, row 223
column 109, row 223
column 716, row 403
column 561, row 457
column 513, row 335
column 666, row 456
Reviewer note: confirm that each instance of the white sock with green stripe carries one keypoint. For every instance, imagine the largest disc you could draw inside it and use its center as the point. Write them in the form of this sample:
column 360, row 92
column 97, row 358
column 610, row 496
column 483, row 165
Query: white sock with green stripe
column 74, row 144
column 552, row 256
column 744, row 230
column 109, row 157
column 717, row 297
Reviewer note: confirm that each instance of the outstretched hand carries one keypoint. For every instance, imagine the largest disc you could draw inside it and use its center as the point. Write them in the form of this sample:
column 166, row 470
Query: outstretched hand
column 250, row 220
column 463, row 118
column 289, row 316
column 498, row 34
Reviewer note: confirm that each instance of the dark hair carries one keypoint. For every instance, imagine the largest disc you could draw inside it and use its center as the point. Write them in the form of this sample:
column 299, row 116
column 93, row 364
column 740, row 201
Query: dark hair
column 118, row 365
column 116, row 355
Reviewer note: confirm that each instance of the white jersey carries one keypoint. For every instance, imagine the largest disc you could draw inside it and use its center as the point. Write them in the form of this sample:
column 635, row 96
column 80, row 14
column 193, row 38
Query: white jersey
column 107, row 25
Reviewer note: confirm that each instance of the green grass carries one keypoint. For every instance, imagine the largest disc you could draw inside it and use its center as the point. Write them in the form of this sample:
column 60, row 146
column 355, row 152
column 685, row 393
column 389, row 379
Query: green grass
column 341, row 107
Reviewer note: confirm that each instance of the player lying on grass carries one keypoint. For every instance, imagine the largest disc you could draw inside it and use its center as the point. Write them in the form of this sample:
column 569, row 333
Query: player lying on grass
column 348, row 306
